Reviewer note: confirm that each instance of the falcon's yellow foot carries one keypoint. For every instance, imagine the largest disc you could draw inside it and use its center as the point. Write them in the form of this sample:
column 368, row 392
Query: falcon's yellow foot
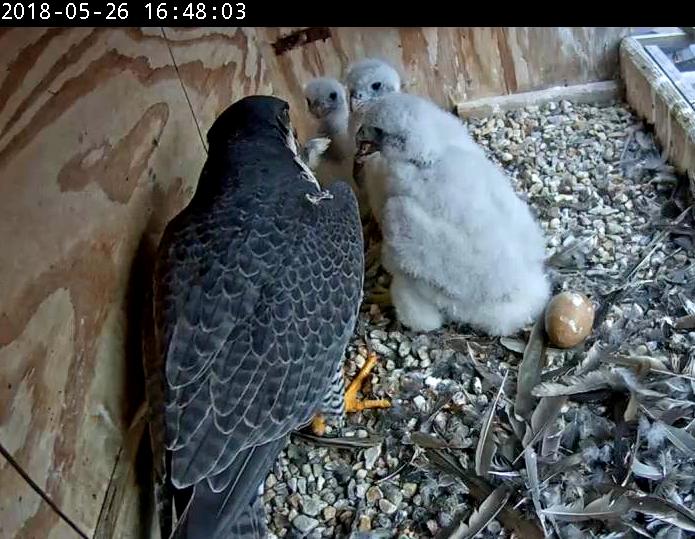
column 352, row 403
column 380, row 296
column 318, row 425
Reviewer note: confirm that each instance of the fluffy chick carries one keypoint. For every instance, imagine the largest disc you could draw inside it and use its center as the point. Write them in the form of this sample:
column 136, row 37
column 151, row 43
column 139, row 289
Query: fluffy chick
column 330, row 153
column 327, row 101
column 459, row 242
column 367, row 80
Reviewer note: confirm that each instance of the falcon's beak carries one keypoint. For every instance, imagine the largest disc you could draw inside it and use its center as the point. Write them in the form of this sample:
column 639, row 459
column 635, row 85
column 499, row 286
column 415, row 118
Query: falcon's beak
column 366, row 146
column 368, row 141
column 356, row 102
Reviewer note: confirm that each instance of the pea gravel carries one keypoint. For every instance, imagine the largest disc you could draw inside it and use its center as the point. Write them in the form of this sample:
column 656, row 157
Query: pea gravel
column 596, row 180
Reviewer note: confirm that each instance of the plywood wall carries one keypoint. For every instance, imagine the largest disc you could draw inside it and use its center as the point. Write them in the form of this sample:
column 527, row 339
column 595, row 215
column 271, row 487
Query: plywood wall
column 97, row 146
column 101, row 142
column 449, row 65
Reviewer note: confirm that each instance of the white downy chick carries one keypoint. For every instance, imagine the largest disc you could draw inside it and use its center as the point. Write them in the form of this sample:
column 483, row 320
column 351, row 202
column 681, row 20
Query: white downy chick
column 459, row 242
column 330, row 152
column 367, row 80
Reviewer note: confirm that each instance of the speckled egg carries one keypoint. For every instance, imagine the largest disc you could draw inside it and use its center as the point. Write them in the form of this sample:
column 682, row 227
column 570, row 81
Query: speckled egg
column 569, row 318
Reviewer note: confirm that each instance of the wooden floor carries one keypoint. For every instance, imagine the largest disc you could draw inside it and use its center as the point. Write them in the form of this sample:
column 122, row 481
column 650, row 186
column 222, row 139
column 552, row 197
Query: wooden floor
column 102, row 140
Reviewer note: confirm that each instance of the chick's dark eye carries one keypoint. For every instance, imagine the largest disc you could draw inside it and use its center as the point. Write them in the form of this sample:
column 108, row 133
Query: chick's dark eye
column 333, row 96
column 376, row 85
column 379, row 131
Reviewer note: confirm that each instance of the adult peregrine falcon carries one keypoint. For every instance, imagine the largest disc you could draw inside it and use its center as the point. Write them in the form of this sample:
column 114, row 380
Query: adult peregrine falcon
column 257, row 288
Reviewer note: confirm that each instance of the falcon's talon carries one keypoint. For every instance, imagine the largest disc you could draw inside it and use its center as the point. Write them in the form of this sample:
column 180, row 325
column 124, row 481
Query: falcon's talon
column 318, row 425
column 352, row 403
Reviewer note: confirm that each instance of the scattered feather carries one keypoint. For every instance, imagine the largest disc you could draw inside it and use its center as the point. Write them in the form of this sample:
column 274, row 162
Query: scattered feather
column 552, row 439
column 486, row 443
column 633, row 456
column 575, row 385
column 627, row 280
column 631, row 409
column 427, row 440
column 592, row 359
column 442, row 401
column 480, row 518
column 445, row 462
column 667, row 404
column 346, row 442
column 514, row 345
column 529, row 374
column 688, row 305
column 507, row 474
column 645, row 470
column 534, row 485
column 572, row 250
column 665, row 510
column 676, row 412
column 518, row 425
column 604, row 508
column 639, row 530
column 680, row 438
column 543, row 416
column 671, row 532
column 641, row 363
column 569, row 462
column 654, row 433
column 479, row 490
column 616, row 379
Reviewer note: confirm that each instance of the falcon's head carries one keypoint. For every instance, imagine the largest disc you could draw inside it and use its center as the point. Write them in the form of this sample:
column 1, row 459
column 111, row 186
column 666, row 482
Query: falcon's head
column 254, row 116
column 369, row 79
column 402, row 127
column 325, row 96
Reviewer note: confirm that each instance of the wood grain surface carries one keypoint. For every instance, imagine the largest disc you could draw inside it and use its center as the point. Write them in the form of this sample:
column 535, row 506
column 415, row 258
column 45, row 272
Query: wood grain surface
column 98, row 146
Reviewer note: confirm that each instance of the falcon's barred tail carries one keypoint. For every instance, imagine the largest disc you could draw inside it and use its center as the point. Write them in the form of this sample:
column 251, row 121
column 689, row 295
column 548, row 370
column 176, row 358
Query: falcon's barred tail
column 236, row 511
column 251, row 523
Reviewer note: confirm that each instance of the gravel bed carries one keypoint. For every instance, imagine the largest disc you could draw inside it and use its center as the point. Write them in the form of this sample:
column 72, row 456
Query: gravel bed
column 607, row 202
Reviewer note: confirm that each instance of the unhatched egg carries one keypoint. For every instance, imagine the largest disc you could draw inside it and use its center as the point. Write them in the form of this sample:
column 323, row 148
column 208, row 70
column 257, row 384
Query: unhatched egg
column 569, row 318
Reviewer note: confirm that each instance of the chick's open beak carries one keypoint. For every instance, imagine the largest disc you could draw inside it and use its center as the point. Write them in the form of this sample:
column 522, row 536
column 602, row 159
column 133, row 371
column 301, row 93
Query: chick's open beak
column 367, row 140
column 365, row 148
